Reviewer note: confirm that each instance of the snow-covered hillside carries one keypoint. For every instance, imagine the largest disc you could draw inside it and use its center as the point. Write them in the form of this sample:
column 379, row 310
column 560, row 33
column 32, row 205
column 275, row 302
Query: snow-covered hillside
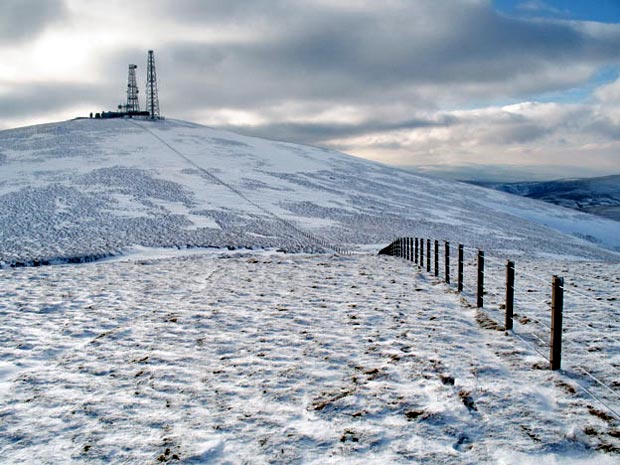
column 89, row 188
column 236, row 357
column 264, row 358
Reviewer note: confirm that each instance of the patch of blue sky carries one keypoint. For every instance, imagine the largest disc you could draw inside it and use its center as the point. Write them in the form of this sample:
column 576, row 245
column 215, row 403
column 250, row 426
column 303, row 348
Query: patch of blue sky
column 578, row 94
column 605, row 11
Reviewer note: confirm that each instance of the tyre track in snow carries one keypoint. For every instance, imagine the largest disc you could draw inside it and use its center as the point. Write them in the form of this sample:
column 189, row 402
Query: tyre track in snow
column 313, row 238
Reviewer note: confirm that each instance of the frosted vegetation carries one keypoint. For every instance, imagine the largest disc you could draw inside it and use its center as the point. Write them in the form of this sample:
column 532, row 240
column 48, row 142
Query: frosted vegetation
column 268, row 358
column 92, row 188
column 165, row 352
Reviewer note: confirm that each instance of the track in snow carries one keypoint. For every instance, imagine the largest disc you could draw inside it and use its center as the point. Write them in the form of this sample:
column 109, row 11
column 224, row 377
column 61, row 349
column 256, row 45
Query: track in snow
column 303, row 236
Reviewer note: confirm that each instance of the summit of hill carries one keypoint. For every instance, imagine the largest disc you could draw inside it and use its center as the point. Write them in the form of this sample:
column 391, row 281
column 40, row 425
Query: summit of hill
column 94, row 188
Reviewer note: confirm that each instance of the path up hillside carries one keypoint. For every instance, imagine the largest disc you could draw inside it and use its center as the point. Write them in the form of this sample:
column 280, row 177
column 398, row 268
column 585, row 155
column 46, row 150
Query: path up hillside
column 88, row 188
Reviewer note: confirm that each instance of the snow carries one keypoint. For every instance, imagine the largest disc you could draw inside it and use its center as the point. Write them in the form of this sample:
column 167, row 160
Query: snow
column 244, row 357
column 95, row 188
column 171, row 348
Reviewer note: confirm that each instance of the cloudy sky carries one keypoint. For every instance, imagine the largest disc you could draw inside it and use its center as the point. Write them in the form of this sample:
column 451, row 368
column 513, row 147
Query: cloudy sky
column 525, row 88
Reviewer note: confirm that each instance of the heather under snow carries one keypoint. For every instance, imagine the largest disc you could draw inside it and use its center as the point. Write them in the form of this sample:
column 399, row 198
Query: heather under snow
column 271, row 358
column 173, row 349
column 92, row 188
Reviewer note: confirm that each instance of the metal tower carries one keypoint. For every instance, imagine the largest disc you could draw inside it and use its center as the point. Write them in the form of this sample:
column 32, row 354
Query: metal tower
column 133, row 103
column 152, row 98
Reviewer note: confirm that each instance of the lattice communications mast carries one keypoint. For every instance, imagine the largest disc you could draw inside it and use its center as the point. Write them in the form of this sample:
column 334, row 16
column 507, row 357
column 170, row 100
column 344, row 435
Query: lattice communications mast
column 152, row 99
column 133, row 103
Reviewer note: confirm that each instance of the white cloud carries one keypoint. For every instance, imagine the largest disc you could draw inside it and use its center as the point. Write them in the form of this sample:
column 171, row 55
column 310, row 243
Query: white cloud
column 609, row 94
column 380, row 79
column 540, row 6
column 527, row 133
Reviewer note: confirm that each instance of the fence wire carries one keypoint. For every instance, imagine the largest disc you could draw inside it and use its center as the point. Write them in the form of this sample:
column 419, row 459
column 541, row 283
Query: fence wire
column 591, row 351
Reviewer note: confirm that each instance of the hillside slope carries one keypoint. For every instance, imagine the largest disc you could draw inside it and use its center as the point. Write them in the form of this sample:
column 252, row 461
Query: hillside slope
column 234, row 358
column 599, row 196
column 87, row 188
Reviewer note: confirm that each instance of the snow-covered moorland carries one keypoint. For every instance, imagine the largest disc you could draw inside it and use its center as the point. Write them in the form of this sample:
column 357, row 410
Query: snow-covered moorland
column 255, row 356
column 271, row 358
column 92, row 188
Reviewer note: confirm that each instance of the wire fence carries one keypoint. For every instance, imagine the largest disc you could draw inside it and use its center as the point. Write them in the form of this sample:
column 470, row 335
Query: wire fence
column 578, row 327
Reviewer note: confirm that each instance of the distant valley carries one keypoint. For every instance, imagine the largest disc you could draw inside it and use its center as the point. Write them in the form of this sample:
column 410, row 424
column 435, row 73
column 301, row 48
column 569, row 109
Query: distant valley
column 599, row 196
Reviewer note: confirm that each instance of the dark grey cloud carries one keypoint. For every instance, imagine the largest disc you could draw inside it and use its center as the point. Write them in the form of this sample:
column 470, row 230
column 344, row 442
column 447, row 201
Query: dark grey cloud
column 215, row 11
column 603, row 126
column 321, row 53
column 517, row 133
column 24, row 19
column 419, row 54
column 400, row 65
column 37, row 99
column 314, row 133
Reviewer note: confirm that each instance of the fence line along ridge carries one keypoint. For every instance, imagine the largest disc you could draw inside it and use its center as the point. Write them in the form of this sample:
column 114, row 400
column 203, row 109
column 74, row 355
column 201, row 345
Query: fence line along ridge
column 425, row 253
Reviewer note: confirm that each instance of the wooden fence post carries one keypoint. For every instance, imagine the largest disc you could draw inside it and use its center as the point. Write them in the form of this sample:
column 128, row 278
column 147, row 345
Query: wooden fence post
column 422, row 253
column 460, row 269
column 410, row 249
column 428, row 255
column 510, row 293
column 447, row 261
column 416, row 251
column 557, row 306
column 436, row 257
column 480, row 291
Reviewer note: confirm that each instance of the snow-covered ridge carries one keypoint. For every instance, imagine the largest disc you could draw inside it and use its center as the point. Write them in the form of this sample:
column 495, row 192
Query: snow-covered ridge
column 90, row 188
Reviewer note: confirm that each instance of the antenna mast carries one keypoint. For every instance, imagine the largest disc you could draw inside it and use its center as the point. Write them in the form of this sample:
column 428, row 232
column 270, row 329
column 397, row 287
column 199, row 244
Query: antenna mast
column 133, row 103
column 152, row 98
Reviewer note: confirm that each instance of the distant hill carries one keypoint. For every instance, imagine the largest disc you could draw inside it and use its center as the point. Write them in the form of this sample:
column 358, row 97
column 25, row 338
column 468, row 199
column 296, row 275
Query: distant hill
column 599, row 196
column 93, row 188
